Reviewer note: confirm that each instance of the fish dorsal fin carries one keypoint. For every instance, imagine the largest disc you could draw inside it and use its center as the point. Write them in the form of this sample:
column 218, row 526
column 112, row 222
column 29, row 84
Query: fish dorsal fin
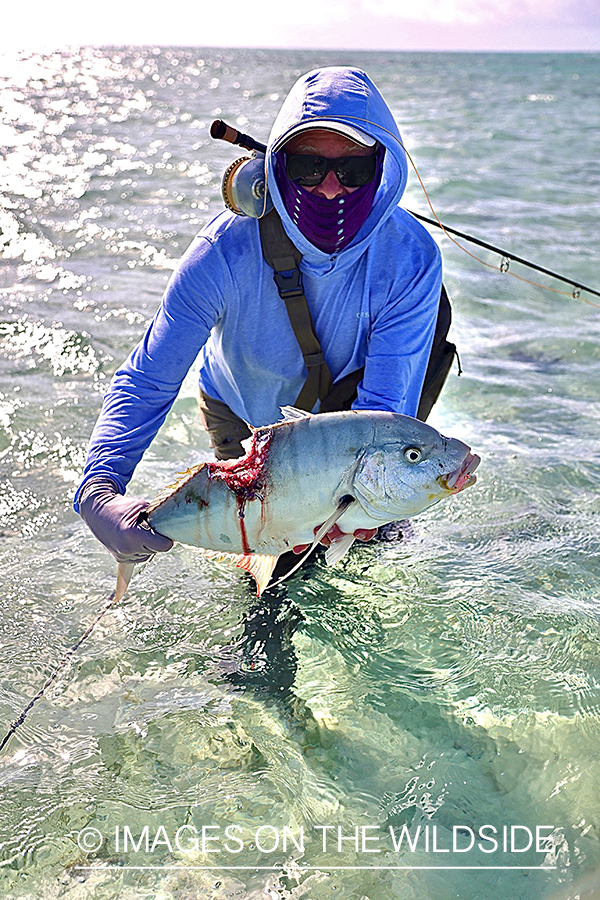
column 290, row 413
column 169, row 490
column 338, row 549
column 260, row 566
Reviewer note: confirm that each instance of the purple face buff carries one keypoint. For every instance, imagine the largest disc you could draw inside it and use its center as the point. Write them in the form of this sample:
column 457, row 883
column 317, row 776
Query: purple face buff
column 328, row 224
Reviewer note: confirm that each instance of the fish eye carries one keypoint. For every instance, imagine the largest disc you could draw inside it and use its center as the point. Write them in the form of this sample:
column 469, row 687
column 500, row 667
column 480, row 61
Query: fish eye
column 413, row 455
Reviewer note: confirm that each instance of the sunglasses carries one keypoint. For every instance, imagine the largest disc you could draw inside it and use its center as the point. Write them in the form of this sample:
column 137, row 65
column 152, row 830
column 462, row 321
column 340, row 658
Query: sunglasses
column 351, row 171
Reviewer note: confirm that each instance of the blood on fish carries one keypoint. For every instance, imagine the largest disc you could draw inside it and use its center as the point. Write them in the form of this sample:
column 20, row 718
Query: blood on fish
column 245, row 477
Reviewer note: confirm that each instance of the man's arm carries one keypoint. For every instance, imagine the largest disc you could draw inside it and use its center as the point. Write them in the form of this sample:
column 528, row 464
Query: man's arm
column 146, row 385
column 138, row 400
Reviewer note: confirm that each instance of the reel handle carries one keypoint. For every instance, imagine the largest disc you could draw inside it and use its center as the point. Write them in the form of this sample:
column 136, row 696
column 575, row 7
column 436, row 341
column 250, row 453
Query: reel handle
column 221, row 131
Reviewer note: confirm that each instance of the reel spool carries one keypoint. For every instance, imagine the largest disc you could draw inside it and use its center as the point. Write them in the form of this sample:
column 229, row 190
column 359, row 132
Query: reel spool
column 243, row 187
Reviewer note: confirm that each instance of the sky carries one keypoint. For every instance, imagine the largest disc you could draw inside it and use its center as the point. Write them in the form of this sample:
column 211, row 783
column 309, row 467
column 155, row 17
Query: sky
column 535, row 25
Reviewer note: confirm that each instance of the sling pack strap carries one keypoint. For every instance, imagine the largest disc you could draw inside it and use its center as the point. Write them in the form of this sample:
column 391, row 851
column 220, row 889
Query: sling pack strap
column 227, row 430
column 344, row 392
column 281, row 254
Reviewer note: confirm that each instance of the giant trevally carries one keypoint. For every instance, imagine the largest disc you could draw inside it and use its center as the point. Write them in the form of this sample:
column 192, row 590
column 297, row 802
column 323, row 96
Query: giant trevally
column 359, row 468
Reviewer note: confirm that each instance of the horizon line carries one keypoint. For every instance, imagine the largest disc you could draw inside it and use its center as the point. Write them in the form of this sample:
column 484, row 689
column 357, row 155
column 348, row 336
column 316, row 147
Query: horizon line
column 52, row 45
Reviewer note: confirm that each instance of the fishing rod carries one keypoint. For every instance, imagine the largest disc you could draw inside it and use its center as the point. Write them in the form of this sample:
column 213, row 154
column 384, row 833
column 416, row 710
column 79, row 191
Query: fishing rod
column 504, row 254
column 233, row 181
column 219, row 130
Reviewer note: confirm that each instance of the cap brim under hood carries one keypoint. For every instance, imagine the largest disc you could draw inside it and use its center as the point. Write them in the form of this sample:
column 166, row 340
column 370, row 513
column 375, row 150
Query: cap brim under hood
column 346, row 96
column 349, row 131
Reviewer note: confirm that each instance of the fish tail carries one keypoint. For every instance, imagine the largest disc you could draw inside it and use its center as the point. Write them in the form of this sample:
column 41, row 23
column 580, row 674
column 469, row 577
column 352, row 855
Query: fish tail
column 124, row 573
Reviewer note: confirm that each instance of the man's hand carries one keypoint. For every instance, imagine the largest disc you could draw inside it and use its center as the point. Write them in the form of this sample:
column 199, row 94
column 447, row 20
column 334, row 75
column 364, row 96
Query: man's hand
column 113, row 519
column 334, row 533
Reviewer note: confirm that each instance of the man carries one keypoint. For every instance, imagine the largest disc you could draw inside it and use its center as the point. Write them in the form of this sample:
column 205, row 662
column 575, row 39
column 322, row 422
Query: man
column 371, row 275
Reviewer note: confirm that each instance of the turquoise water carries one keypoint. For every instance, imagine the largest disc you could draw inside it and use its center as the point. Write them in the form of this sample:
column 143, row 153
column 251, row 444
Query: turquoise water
column 444, row 683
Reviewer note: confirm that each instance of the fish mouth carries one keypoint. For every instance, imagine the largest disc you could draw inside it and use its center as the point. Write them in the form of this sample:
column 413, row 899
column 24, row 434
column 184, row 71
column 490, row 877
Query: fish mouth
column 461, row 477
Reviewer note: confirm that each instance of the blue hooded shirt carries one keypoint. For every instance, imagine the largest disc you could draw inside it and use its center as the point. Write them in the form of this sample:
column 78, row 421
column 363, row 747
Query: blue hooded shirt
column 374, row 303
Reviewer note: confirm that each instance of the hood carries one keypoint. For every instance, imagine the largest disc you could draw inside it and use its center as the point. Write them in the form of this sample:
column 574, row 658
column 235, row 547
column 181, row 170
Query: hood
column 348, row 96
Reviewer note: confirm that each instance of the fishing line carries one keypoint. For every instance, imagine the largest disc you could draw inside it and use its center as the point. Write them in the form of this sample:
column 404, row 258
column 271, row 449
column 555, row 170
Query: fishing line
column 112, row 600
column 503, row 267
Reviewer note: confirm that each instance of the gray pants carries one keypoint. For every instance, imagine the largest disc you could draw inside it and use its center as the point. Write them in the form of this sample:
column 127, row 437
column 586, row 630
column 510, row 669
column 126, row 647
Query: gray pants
column 226, row 430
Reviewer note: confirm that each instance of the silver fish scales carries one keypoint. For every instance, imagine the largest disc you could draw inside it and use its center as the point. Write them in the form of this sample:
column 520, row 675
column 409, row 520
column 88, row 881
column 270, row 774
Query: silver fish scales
column 359, row 468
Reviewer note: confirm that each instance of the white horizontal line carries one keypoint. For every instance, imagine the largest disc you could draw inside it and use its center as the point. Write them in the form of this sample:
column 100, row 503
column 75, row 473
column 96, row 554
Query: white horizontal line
column 318, row 868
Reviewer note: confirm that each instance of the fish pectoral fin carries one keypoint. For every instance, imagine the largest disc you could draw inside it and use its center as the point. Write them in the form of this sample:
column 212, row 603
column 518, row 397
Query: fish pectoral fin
column 338, row 549
column 124, row 573
column 260, row 566
column 290, row 413
column 342, row 506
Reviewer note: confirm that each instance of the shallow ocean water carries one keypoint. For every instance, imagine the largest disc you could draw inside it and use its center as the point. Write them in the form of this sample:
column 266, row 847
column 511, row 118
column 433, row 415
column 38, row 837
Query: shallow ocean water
column 446, row 682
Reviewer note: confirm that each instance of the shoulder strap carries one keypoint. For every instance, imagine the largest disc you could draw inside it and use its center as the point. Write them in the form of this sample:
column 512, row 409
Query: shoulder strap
column 281, row 254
